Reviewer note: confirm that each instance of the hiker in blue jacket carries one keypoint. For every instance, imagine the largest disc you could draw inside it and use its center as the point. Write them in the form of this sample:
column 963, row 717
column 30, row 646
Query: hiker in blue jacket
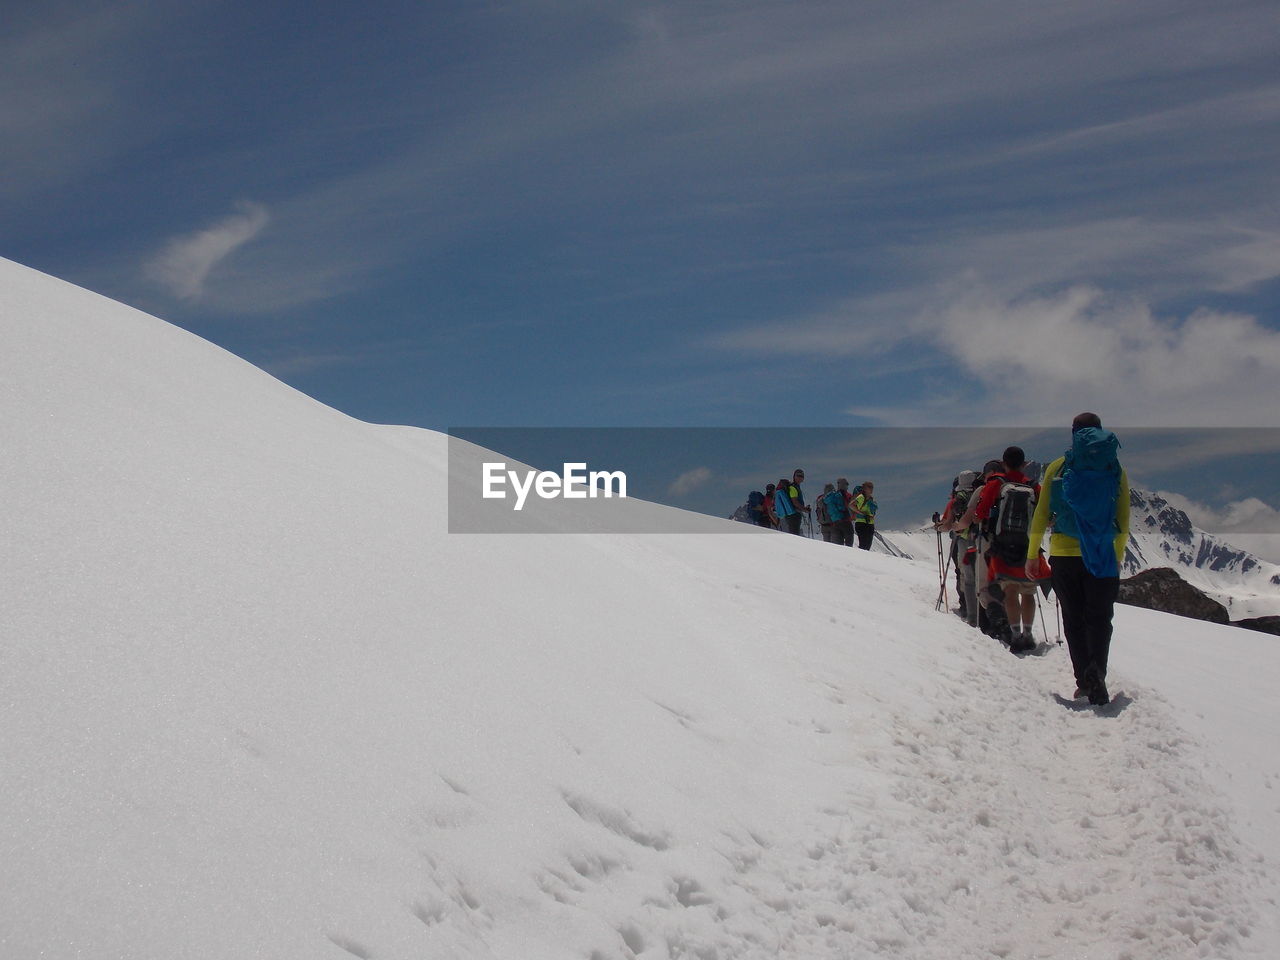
column 840, row 512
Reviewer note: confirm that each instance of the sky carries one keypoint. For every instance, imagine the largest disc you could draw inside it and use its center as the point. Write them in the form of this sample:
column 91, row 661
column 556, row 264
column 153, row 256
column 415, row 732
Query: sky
column 556, row 213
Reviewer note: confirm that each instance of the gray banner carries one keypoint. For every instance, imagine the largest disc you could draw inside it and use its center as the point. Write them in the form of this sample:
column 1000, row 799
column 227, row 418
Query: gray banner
column 689, row 479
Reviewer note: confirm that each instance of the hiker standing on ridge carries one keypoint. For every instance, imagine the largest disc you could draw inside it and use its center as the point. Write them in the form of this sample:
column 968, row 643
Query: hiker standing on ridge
column 770, row 516
column 783, row 508
column 1088, row 503
column 789, row 502
column 839, row 508
column 864, row 515
column 823, row 513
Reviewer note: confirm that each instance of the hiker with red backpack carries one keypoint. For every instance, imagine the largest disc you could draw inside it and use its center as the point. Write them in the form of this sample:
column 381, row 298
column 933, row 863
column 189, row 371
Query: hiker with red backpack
column 770, row 515
column 1004, row 512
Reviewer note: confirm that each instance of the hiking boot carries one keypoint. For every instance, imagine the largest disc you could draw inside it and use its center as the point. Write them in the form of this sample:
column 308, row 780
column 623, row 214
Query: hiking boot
column 1098, row 696
column 1096, row 688
column 1080, row 693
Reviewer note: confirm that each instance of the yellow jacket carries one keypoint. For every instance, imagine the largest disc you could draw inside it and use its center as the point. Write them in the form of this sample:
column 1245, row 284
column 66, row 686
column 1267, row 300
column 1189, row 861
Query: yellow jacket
column 1061, row 545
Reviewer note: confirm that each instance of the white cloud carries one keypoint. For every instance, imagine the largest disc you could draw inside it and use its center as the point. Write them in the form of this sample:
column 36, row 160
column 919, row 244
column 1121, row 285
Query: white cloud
column 1081, row 348
column 1035, row 355
column 1249, row 524
column 184, row 265
column 1247, row 516
column 689, row 481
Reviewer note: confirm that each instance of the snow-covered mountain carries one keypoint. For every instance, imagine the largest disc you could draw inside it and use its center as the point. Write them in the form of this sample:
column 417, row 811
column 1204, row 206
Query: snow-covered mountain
column 257, row 702
column 1161, row 535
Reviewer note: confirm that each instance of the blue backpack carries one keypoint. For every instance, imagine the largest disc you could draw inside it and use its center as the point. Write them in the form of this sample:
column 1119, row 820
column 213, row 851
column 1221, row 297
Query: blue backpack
column 837, row 509
column 782, row 504
column 1083, row 498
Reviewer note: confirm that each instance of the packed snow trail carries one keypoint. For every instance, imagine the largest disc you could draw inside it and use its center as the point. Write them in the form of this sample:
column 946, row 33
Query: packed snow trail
column 1020, row 829
column 1000, row 824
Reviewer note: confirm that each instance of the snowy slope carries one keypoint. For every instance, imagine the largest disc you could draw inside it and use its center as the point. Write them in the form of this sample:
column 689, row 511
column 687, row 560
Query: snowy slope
column 258, row 703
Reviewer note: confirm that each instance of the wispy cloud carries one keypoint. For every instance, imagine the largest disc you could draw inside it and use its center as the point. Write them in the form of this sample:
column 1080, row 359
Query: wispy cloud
column 184, row 264
column 1155, row 257
column 689, row 481
column 658, row 100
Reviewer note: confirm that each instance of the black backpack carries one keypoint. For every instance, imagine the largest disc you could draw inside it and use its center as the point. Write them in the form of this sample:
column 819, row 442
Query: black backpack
column 1009, row 526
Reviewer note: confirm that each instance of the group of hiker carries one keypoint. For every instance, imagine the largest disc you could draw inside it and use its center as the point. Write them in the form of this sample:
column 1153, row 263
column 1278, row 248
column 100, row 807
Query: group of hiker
column 841, row 513
column 997, row 518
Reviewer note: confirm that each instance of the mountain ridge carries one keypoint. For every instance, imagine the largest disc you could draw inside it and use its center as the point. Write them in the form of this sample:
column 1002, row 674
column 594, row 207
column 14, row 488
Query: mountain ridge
column 1163, row 535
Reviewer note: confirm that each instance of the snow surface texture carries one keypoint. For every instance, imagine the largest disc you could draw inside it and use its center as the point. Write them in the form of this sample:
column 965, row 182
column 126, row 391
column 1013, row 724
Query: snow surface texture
column 257, row 703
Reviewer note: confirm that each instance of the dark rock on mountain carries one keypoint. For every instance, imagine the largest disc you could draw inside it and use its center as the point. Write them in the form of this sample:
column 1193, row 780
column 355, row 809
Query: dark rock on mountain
column 1261, row 624
column 1159, row 516
column 1163, row 589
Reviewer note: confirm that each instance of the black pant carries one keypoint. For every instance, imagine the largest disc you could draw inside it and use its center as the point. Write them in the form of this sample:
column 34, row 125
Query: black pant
column 1088, row 603
column 791, row 523
column 844, row 532
column 866, row 533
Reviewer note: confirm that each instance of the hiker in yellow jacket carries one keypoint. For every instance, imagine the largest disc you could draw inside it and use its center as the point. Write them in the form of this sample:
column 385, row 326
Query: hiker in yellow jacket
column 864, row 515
column 1088, row 503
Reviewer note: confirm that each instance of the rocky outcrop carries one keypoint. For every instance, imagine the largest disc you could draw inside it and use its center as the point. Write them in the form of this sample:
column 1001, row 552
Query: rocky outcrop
column 1261, row 624
column 1163, row 589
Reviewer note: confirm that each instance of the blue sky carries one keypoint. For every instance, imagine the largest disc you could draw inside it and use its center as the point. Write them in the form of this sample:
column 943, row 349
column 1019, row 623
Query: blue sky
column 562, row 213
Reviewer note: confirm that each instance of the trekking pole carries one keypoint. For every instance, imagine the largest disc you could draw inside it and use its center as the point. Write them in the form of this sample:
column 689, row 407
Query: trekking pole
column 944, row 601
column 942, row 571
column 1044, row 625
column 942, row 574
column 946, row 574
